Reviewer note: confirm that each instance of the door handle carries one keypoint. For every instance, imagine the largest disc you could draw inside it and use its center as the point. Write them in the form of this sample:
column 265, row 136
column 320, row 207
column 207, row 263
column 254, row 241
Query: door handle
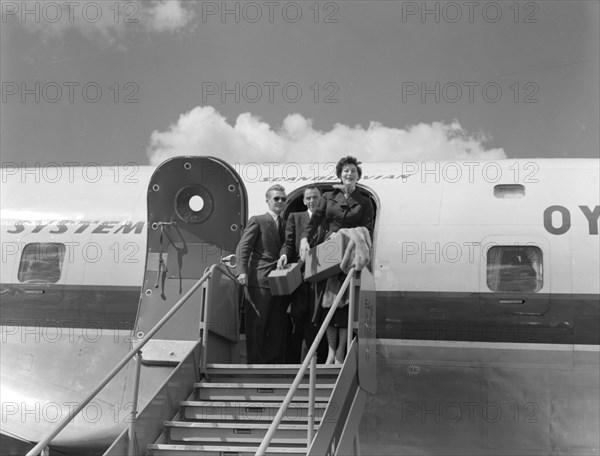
column 511, row 301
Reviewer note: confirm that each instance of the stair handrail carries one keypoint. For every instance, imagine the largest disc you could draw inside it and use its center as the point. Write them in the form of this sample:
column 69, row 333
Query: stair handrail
column 309, row 359
column 42, row 444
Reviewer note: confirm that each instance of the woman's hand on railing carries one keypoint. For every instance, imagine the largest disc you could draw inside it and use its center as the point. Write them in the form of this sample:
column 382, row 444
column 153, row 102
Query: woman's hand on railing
column 243, row 279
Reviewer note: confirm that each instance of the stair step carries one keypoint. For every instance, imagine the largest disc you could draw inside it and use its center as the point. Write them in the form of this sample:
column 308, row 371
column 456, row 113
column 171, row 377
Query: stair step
column 234, row 405
column 219, row 450
column 287, row 379
column 231, row 391
column 268, row 370
column 210, row 433
column 247, row 410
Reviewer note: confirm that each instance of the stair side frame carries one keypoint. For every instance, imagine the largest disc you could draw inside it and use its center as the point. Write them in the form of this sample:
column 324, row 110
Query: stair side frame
column 150, row 421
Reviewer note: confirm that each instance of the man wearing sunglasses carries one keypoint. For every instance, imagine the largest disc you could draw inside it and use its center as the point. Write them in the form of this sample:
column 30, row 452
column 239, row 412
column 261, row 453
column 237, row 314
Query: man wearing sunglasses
column 257, row 253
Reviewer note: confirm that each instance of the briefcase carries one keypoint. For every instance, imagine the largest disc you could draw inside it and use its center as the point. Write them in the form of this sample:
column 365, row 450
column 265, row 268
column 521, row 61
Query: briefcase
column 324, row 260
column 285, row 281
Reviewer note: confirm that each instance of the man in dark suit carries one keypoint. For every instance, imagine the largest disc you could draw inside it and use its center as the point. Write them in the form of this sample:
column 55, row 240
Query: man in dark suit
column 302, row 327
column 257, row 253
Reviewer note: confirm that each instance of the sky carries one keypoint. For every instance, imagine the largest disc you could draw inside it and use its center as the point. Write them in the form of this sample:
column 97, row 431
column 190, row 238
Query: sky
column 115, row 82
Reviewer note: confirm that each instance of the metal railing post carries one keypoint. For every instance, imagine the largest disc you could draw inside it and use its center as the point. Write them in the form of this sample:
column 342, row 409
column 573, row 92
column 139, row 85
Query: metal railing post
column 352, row 297
column 311, row 401
column 204, row 330
column 136, row 389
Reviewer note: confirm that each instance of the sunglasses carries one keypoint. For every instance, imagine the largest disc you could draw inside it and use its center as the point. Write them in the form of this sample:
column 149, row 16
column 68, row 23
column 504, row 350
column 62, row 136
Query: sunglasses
column 280, row 198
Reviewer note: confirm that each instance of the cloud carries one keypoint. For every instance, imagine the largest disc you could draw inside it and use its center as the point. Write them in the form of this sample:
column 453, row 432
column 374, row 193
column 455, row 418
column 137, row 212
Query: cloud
column 203, row 131
column 167, row 15
column 108, row 20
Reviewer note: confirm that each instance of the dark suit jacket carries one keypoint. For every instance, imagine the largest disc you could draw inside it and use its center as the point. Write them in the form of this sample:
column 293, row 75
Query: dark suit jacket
column 294, row 228
column 339, row 213
column 258, row 250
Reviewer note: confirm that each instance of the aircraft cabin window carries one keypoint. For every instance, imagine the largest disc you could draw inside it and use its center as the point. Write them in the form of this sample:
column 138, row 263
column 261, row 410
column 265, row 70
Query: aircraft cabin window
column 514, row 268
column 41, row 262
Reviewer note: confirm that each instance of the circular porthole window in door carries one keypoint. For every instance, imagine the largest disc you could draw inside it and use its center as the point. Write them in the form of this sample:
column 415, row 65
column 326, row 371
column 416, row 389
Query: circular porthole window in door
column 194, row 203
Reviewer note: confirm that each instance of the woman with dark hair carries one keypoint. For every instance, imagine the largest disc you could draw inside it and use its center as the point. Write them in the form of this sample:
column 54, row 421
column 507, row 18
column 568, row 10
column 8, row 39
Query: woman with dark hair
column 344, row 207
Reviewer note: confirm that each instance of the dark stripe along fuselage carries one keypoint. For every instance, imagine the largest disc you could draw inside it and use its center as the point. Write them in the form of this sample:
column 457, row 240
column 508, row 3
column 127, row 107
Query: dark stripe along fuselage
column 451, row 316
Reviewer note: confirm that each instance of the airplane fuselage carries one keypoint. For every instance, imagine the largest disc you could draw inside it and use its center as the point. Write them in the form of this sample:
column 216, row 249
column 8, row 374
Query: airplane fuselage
column 494, row 252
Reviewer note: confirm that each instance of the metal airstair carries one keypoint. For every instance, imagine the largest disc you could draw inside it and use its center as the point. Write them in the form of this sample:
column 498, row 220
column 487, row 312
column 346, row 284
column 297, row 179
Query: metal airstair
column 208, row 403
column 243, row 409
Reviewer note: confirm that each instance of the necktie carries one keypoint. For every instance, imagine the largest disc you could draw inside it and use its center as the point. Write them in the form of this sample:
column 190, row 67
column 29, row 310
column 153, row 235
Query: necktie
column 280, row 229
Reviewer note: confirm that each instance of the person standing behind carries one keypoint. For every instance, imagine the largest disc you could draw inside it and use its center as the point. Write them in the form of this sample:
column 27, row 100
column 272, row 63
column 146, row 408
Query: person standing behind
column 257, row 253
column 303, row 299
column 344, row 207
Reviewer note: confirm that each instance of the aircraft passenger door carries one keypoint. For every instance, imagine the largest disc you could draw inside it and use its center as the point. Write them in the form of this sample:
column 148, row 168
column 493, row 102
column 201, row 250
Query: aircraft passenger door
column 197, row 207
column 515, row 285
